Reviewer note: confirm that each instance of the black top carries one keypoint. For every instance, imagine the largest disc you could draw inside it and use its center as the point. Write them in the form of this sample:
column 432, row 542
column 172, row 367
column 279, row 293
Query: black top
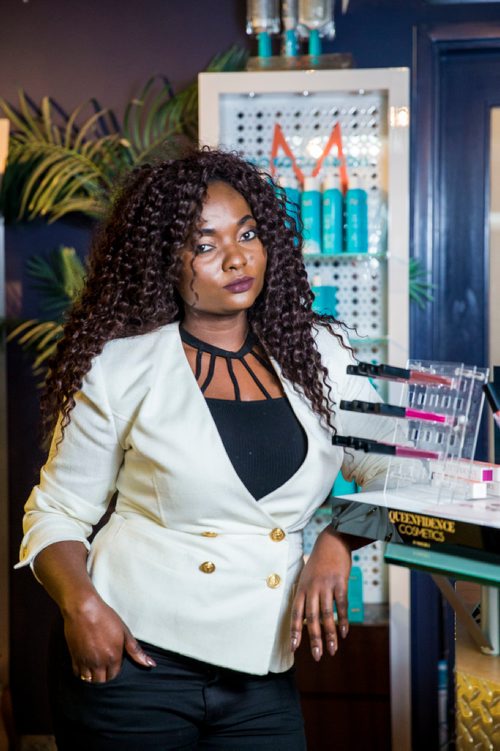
column 263, row 438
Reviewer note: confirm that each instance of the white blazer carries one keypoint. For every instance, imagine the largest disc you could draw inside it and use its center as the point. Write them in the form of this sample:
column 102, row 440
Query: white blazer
column 190, row 560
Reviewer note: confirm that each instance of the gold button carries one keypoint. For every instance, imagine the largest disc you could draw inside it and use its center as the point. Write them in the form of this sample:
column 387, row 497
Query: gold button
column 207, row 567
column 209, row 534
column 277, row 535
column 273, row 581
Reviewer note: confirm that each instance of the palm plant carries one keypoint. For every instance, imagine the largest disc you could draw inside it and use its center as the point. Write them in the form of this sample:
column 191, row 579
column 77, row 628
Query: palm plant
column 59, row 278
column 420, row 287
column 58, row 166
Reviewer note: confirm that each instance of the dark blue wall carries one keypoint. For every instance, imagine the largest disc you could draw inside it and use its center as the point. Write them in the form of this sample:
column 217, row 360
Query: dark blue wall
column 107, row 49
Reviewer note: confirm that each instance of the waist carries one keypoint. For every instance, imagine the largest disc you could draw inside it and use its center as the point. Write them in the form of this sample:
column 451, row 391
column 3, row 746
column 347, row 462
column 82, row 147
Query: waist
column 215, row 530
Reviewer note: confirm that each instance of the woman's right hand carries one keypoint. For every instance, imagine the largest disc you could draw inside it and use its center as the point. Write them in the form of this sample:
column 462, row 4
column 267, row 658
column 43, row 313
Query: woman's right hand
column 97, row 639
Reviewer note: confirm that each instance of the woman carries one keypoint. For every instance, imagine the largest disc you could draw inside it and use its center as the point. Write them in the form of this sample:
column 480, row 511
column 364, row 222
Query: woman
column 195, row 381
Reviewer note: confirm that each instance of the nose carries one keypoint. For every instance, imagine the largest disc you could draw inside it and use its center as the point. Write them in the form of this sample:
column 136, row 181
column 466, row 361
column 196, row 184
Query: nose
column 234, row 257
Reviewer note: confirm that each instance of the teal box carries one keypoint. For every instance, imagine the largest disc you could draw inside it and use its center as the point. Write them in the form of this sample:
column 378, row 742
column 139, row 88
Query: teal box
column 355, row 596
column 343, row 487
column 333, row 217
column 355, row 610
column 356, row 220
column 325, row 299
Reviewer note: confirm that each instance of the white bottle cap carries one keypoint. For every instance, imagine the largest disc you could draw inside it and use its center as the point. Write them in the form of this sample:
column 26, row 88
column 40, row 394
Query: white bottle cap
column 311, row 183
column 330, row 182
column 286, row 181
column 355, row 181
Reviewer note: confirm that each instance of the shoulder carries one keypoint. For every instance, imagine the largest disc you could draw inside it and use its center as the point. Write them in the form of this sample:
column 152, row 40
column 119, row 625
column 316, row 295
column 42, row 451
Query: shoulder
column 137, row 351
column 128, row 366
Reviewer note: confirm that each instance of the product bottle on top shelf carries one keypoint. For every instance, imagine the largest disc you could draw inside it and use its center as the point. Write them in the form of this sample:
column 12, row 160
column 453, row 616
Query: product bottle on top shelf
column 311, row 215
column 333, row 216
column 263, row 19
column 289, row 19
column 356, row 217
column 317, row 17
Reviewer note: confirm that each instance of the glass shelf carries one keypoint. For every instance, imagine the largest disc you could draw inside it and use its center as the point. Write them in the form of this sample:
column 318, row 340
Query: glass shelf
column 369, row 340
column 342, row 257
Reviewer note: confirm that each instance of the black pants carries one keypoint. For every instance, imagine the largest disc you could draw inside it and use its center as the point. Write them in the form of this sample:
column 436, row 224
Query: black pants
column 182, row 704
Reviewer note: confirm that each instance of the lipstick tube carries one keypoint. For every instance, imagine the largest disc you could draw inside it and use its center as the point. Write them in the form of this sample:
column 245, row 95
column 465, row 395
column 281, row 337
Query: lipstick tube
column 391, row 410
column 391, row 373
column 378, row 447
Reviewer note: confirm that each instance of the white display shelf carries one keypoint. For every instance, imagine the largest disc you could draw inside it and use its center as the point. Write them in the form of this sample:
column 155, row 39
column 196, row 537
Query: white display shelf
column 422, row 499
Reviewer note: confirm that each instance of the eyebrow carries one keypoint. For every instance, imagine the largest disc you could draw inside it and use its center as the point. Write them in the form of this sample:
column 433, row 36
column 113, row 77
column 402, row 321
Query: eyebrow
column 239, row 223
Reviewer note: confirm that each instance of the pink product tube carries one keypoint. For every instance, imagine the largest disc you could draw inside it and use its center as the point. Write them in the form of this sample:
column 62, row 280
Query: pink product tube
column 494, row 469
column 466, row 469
column 392, row 373
column 391, row 410
column 430, row 379
column 379, row 447
column 407, row 452
column 417, row 414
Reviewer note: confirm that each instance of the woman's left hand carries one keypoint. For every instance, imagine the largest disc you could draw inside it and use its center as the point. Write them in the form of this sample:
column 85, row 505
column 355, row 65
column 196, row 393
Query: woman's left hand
column 322, row 582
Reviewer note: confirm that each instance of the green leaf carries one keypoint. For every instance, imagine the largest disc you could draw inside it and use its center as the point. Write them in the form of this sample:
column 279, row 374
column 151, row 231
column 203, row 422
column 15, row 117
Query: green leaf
column 57, row 166
column 420, row 289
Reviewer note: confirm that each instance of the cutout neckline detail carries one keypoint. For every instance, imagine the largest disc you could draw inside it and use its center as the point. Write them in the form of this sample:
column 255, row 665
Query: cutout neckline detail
column 248, row 348
column 199, row 344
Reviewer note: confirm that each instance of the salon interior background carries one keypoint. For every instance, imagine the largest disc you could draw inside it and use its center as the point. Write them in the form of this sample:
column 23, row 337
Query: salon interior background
column 107, row 50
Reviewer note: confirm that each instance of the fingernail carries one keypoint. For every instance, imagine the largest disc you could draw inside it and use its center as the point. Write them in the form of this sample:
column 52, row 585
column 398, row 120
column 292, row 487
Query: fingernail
column 343, row 630
column 332, row 647
column 151, row 662
column 316, row 653
column 294, row 641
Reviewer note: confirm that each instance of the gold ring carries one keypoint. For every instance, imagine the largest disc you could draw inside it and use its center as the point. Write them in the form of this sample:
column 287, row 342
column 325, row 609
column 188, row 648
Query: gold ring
column 86, row 678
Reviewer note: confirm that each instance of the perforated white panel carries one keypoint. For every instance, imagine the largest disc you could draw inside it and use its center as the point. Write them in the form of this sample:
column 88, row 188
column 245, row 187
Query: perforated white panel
column 247, row 124
column 375, row 579
column 361, row 290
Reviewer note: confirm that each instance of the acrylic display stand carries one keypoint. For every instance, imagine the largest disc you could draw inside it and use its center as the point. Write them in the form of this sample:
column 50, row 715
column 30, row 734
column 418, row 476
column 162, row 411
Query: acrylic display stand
column 448, row 500
column 453, row 395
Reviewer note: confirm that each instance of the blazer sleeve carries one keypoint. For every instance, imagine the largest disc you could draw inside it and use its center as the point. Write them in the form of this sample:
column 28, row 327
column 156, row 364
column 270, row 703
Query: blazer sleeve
column 78, row 479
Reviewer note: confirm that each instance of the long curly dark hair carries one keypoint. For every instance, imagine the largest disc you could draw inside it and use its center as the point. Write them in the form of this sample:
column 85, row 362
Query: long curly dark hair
column 135, row 264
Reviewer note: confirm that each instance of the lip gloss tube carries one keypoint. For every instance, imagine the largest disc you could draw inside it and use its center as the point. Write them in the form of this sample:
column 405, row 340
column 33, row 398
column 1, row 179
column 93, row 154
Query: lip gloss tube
column 379, row 447
column 494, row 468
column 390, row 410
column 466, row 470
column 391, row 373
